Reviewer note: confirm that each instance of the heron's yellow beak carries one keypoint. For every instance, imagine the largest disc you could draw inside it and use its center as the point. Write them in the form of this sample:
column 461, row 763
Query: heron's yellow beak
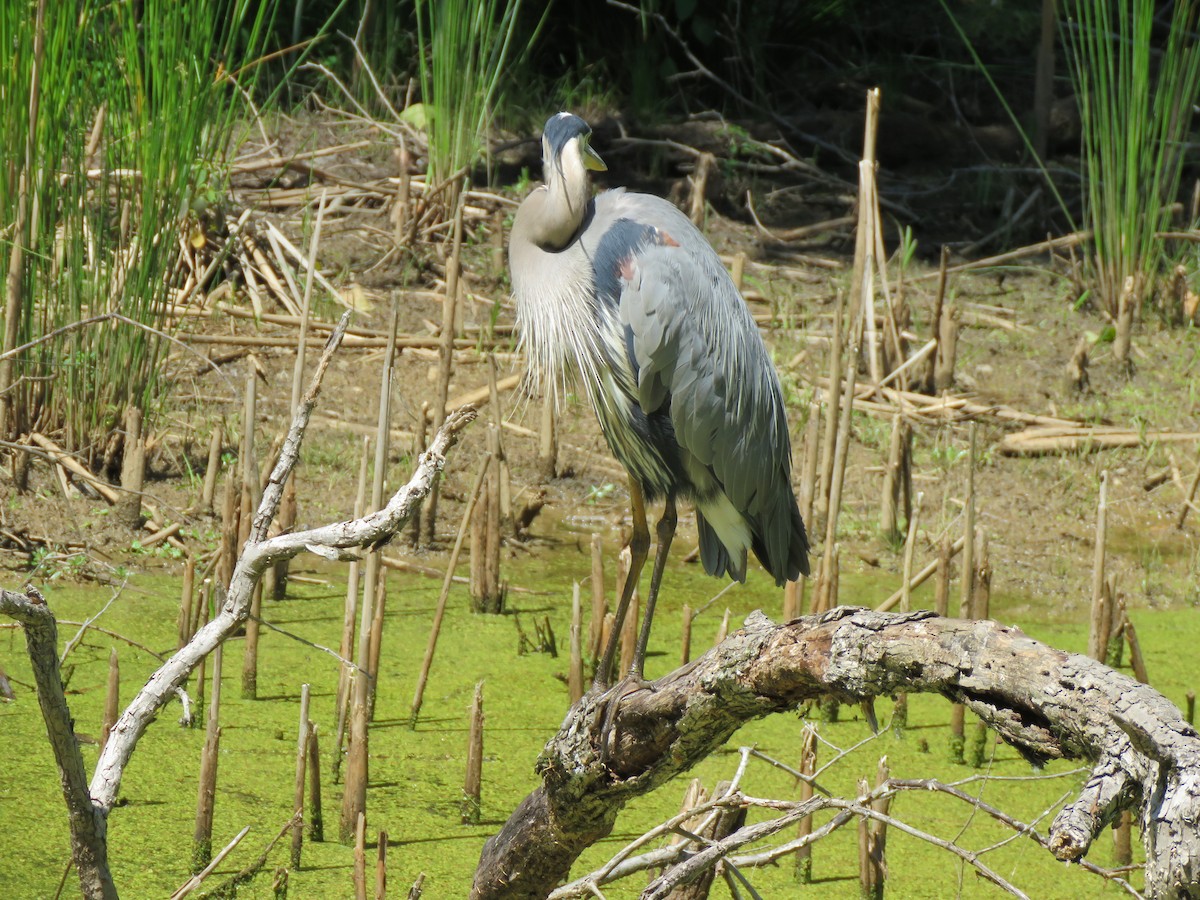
column 592, row 160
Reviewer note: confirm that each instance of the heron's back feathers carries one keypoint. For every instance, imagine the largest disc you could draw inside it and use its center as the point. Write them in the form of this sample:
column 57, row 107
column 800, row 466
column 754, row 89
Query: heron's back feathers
column 687, row 356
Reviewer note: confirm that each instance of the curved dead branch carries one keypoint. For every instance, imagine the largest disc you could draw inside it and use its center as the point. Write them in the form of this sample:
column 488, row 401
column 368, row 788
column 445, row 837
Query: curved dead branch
column 1047, row 703
column 88, row 805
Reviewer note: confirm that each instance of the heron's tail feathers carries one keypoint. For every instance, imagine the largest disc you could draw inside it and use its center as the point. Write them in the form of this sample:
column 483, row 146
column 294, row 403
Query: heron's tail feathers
column 724, row 537
column 780, row 544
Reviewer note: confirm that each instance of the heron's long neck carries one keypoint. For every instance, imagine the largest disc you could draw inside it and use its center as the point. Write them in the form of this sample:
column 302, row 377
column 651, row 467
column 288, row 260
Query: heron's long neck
column 550, row 217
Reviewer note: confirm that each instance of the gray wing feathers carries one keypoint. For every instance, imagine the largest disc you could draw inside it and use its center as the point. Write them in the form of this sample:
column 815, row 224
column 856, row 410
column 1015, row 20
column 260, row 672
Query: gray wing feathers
column 693, row 338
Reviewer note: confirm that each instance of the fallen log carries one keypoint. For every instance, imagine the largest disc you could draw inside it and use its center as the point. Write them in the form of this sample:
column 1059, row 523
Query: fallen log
column 1046, row 703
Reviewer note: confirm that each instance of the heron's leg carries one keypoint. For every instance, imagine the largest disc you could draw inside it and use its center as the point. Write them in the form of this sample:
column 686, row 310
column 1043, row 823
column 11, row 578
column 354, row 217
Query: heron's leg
column 666, row 533
column 639, row 549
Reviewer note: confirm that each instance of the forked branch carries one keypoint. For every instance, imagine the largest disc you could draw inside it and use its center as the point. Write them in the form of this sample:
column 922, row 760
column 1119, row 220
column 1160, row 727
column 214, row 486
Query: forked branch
column 1047, row 703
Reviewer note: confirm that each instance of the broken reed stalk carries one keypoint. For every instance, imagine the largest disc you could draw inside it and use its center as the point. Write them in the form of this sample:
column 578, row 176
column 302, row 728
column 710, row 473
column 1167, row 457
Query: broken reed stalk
column 473, row 782
column 445, row 359
column 629, row 629
column 877, row 836
column 209, row 490
column 316, row 815
column 354, row 792
column 867, row 239
column 705, row 163
column 349, row 617
column 624, row 562
column 249, row 473
column 206, row 794
column 229, row 532
column 201, row 621
column 575, row 672
column 1098, row 632
column 298, row 791
column 808, row 767
column 420, row 439
column 685, row 643
column 910, row 545
column 1136, row 661
column 599, row 602
column 360, row 857
column 812, row 452
column 112, row 697
column 504, row 480
column 365, row 684
column 375, row 643
column 133, row 470
column 440, row 612
column 983, row 577
column 548, row 440
column 486, row 593
column 793, row 592
column 947, row 349
column 966, row 603
column 900, row 710
column 723, row 628
column 824, row 598
column 941, row 587
column 889, row 519
column 187, row 597
column 832, row 397
column 929, row 382
column 381, row 849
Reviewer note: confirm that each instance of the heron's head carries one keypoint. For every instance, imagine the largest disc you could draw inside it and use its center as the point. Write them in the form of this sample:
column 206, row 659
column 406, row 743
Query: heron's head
column 566, row 149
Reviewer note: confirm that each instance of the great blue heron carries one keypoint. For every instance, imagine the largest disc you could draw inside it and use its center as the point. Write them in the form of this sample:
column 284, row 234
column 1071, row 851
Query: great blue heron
column 623, row 291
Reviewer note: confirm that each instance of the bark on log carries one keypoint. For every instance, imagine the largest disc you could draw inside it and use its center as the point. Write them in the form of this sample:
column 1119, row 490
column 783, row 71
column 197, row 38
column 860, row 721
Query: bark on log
column 1047, row 703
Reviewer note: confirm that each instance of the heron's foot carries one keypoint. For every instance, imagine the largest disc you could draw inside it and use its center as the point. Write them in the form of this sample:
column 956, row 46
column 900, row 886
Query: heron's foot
column 610, row 702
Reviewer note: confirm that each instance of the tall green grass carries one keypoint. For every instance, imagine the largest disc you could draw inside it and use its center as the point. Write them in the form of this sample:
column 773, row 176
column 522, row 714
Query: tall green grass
column 151, row 80
column 1135, row 98
column 464, row 46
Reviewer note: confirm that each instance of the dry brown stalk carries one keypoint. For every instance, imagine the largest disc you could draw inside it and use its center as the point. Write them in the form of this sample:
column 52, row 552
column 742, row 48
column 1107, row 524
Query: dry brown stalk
column 316, row 816
column 599, row 602
column 349, row 618
column 298, row 792
column 381, row 850
column 1098, row 633
column 575, row 672
column 808, row 767
column 473, row 782
column 966, row 604
column 360, row 857
column 133, row 469
column 685, row 643
column 212, row 470
column 832, row 397
column 112, row 697
column 548, row 443
column 440, row 611
column 202, row 851
column 187, row 594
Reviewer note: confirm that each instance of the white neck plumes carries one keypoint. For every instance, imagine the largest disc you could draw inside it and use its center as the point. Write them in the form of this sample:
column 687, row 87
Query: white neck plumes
column 552, row 277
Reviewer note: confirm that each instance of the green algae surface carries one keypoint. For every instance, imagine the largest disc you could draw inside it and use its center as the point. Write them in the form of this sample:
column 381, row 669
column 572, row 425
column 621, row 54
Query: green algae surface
column 416, row 776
